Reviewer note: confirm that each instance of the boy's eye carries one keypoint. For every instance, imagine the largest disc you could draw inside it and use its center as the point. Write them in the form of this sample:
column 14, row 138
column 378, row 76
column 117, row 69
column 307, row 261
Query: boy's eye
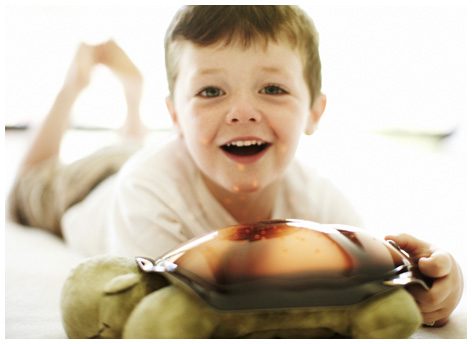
column 211, row 92
column 273, row 90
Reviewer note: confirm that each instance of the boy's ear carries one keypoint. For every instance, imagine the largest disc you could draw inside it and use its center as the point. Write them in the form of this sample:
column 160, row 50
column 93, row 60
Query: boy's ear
column 316, row 112
column 173, row 114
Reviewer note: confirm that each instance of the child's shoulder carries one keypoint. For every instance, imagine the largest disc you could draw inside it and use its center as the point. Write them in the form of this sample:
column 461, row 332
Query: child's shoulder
column 159, row 160
column 316, row 197
column 302, row 172
column 305, row 179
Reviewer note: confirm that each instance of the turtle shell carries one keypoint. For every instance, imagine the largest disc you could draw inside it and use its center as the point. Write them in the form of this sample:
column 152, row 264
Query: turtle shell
column 286, row 264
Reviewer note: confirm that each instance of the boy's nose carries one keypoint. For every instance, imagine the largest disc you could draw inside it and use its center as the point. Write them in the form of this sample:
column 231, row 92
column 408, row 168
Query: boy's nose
column 242, row 112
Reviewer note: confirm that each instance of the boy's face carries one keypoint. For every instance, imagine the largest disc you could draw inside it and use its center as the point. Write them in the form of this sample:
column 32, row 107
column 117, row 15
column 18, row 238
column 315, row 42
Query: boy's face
column 242, row 111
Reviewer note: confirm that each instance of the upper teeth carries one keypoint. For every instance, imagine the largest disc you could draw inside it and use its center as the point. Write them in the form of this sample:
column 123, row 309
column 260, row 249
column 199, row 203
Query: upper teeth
column 245, row 143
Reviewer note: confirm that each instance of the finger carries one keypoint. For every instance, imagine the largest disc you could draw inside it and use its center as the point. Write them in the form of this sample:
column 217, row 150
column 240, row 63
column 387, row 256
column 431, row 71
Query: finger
column 415, row 247
column 441, row 322
column 431, row 300
column 438, row 265
column 437, row 318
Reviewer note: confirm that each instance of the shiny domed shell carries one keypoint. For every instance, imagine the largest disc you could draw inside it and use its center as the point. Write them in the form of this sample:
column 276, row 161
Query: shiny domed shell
column 286, row 264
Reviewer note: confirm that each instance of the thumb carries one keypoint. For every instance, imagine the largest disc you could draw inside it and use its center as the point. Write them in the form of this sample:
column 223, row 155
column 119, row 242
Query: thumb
column 439, row 264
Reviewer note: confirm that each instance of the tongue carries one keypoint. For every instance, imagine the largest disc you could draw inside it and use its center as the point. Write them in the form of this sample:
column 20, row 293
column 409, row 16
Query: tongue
column 244, row 150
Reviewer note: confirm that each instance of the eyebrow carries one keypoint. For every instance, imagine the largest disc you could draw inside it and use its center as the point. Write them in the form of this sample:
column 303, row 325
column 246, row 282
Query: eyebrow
column 273, row 69
column 207, row 71
column 280, row 74
column 264, row 69
column 277, row 70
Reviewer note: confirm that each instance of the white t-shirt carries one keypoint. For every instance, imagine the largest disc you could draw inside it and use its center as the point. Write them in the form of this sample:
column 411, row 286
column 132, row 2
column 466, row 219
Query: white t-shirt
column 159, row 200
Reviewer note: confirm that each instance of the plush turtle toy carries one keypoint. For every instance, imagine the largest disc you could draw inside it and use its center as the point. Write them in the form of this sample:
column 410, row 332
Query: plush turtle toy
column 274, row 279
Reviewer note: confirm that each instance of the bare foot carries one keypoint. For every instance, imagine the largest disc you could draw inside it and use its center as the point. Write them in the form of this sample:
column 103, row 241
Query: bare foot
column 112, row 56
column 133, row 130
column 78, row 75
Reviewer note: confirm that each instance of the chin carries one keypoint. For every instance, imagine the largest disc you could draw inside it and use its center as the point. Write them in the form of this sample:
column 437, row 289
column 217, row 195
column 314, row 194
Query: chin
column 245, row 189
column 249, row 187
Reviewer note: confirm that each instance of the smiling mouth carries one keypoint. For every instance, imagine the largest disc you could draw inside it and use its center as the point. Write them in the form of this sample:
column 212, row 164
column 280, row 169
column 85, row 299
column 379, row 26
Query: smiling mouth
column 245, row 148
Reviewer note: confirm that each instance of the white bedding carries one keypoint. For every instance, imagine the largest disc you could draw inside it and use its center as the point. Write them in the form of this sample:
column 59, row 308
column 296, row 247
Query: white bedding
column 37, row 263
column 432, row 207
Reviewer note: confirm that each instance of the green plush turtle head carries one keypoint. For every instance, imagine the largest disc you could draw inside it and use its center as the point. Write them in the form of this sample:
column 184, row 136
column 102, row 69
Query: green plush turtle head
column 100, row 293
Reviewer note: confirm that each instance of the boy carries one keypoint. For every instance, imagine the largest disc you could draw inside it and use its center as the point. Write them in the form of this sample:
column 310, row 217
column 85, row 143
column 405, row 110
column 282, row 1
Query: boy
column 245, row 83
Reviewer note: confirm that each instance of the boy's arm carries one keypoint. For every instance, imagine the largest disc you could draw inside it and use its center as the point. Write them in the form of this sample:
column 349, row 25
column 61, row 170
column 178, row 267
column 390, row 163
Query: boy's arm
column 438, row 303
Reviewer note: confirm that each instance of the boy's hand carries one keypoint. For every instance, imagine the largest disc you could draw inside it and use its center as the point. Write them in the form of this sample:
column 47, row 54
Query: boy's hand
column 438, row 303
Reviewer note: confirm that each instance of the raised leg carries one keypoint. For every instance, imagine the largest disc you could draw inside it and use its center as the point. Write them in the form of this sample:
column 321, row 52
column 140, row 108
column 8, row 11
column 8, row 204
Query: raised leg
column 113, row 56
column 47, row 142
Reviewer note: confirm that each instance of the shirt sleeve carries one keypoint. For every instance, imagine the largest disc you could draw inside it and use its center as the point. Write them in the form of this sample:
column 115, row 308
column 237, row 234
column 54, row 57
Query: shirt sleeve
column 308, row 196
column 337, row 207
column 140, row 223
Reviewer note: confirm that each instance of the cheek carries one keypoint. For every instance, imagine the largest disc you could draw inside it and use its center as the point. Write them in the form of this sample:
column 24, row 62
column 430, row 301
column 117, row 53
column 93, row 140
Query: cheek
column 199, row 131
column 289, row 127
column 197, row 125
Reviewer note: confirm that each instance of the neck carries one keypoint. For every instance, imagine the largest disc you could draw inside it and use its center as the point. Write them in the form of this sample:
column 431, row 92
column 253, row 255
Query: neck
column 246, row 207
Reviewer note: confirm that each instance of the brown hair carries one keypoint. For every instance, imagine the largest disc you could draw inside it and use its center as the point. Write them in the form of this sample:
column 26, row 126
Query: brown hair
column 207, row 25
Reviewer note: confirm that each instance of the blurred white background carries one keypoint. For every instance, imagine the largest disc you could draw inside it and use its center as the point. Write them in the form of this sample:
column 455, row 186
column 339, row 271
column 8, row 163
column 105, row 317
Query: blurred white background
column 396, row 67
column 40, row 44
column 395, row 77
